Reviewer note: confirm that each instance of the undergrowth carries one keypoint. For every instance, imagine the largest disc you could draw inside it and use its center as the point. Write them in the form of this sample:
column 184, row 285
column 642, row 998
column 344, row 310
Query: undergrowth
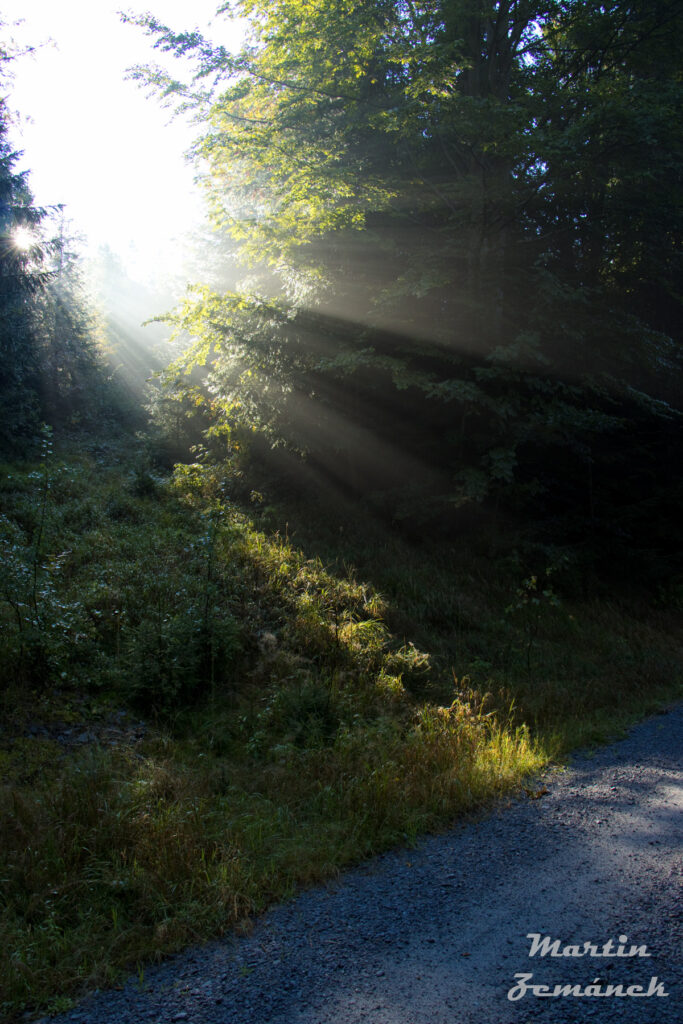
column 301, row 713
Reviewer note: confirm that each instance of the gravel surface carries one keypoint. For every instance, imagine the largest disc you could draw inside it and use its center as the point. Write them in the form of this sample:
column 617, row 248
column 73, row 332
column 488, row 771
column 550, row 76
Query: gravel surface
column 436, row 934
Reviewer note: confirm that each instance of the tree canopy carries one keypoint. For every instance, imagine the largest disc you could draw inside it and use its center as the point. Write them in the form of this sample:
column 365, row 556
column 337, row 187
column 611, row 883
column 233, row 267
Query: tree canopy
column 463, row 224
column 48, row 364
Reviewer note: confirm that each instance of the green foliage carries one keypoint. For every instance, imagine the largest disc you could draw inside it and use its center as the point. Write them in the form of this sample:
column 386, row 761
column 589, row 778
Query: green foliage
column 40, row 620
column 49, row 366
column 22, row 276
column 179, row 639
column 453, row 233
column 73, row 389
column 120, row 855
column 316, row 713
column 303, row 715
column 89, row 588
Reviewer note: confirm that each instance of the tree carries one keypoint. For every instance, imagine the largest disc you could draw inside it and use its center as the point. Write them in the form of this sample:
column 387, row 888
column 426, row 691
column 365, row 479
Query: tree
column 452, row 236
column 21, row 278
column 49, row 366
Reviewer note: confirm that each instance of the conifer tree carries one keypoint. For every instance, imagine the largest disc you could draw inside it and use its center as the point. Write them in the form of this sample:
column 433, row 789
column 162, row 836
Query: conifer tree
column 49, row 366
column 22, row 276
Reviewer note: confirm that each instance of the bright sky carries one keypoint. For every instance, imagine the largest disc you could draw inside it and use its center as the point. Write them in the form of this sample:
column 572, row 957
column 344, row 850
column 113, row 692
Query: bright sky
column 93, row 140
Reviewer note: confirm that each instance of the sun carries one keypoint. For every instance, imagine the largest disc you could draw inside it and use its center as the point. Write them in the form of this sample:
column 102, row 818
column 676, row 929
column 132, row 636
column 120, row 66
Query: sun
column 23, row 239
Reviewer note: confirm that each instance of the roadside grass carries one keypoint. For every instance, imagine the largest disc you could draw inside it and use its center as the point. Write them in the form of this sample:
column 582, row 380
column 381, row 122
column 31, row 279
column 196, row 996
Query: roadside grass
column 576, row 659
column 299, row 717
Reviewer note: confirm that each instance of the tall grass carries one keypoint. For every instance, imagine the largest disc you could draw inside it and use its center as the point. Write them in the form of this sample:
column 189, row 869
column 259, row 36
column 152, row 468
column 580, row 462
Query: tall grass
column 121, row 855
column 301, row 714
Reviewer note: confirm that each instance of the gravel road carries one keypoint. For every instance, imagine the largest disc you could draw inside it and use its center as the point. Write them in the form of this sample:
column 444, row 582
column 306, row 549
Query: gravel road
column 436, row 934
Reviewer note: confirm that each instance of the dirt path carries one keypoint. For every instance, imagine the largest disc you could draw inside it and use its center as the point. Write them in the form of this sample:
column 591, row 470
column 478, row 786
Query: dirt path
column 436, row 935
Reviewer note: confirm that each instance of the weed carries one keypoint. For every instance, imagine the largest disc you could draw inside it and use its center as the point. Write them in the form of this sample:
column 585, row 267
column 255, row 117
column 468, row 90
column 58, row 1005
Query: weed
column 530, row 606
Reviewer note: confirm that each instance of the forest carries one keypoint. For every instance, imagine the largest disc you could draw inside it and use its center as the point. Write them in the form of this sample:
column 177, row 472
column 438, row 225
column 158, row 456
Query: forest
column 396, row 521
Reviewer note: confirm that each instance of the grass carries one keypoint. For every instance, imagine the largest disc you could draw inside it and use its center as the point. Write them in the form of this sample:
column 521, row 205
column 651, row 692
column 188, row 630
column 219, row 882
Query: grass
column 300, row 714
